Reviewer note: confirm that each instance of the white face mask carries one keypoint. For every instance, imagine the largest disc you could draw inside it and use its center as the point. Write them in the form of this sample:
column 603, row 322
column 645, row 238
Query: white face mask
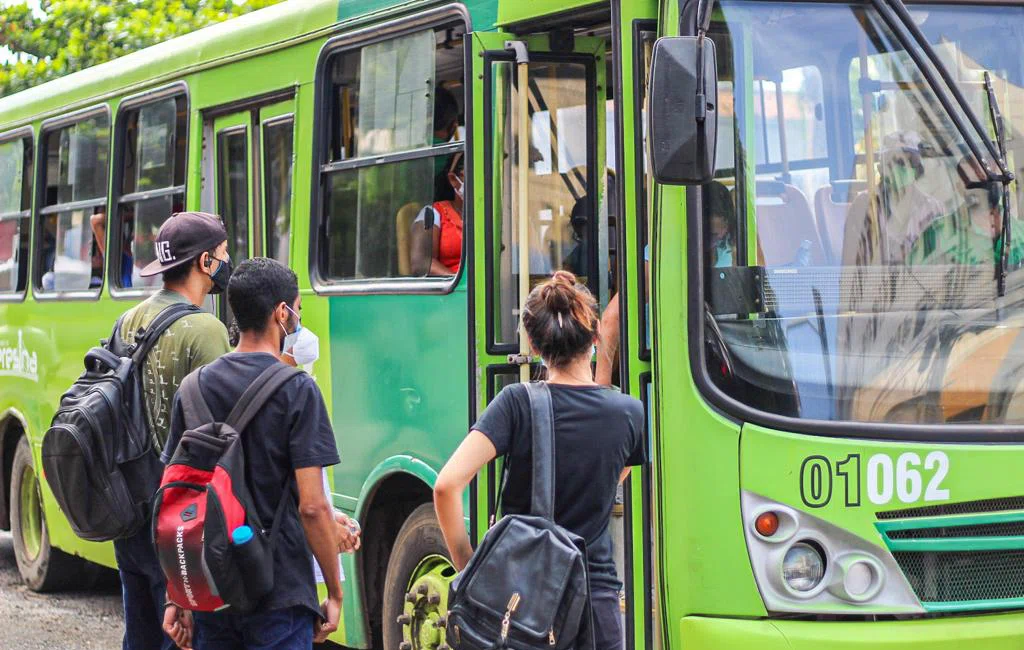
column 302, row 344
column 305, row 348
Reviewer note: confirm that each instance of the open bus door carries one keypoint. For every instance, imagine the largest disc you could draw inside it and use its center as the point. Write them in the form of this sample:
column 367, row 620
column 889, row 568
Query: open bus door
column 558, row 125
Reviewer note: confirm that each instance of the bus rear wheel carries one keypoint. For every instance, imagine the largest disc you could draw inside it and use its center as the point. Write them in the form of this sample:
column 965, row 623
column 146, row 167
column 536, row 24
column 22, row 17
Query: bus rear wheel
column 416, row 586
column 42, row 567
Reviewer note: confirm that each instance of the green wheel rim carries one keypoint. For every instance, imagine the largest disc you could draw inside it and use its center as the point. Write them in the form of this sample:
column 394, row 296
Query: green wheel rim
column 426, row 605
column 30, row 514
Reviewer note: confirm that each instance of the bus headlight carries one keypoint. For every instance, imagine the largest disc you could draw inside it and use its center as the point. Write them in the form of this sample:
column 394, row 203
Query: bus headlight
column 803, row 567
column 806, row 565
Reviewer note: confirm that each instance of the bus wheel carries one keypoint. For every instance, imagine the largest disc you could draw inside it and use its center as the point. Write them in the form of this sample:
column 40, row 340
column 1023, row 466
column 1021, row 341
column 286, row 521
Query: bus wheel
column 416, row 586
column 42, row 567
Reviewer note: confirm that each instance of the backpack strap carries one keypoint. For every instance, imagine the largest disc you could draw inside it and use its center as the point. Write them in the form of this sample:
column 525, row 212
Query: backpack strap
column 150, row 335
column 115, row 335
column 258, row 394
column 197, row 411
column 542, row 502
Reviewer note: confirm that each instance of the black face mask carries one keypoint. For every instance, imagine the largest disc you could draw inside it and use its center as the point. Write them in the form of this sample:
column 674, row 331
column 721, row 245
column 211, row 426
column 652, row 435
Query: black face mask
column 221, row 276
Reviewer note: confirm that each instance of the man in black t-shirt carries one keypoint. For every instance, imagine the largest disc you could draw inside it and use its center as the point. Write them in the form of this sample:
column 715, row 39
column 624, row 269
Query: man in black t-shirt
column 287, row 444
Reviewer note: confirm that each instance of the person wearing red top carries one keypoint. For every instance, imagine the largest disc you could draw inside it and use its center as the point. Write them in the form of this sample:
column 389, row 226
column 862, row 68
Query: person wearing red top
column 444, row 219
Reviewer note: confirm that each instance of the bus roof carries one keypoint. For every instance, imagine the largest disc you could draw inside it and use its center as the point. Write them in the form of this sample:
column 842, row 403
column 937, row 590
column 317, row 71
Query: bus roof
column 278, row 26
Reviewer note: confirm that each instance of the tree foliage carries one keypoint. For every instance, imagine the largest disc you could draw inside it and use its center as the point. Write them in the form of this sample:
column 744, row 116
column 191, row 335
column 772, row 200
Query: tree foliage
column 65, row 36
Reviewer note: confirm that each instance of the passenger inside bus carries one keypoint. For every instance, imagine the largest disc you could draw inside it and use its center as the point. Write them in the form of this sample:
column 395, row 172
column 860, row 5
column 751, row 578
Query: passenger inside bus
column 442, row 220
column 720, row 249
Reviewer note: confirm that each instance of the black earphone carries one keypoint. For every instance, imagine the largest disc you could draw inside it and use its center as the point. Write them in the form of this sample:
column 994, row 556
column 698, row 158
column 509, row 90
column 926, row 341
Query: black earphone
column 209, row 261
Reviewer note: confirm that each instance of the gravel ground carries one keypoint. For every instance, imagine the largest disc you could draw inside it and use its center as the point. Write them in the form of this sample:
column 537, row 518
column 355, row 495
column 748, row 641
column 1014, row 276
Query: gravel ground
column 62, row 621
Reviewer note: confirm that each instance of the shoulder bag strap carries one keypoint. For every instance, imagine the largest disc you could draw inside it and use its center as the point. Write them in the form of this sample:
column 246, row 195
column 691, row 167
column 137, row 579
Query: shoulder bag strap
column 542, row 503
column 159, row 325
column 258, row 394
column 197, row 412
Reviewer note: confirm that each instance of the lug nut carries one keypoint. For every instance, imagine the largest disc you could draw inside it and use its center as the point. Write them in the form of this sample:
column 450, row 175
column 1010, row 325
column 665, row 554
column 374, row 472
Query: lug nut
column 421, row 590
column 404, row 645
column 410, row 597
column 404, row 619
column 443, row 646
column 434, row 598
column 442, row 622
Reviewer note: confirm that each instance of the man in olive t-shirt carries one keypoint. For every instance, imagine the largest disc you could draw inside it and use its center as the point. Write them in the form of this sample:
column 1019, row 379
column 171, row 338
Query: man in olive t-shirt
column 191, row 254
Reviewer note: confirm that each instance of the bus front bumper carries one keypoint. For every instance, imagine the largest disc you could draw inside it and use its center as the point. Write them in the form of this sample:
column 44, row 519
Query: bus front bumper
column 985, row 632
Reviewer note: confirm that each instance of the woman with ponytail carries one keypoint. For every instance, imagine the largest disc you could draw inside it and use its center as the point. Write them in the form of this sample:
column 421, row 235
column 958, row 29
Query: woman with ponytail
column 599, row 435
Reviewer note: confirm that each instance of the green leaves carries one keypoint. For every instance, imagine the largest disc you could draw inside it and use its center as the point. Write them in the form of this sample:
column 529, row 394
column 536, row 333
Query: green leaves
column 71, row 35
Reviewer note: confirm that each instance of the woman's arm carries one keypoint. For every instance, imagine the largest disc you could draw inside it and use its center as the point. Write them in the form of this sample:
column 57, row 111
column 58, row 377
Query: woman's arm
column 474, row 452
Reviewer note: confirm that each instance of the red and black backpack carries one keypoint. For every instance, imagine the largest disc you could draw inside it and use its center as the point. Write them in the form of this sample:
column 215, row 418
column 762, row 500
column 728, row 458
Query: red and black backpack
column 204, row 496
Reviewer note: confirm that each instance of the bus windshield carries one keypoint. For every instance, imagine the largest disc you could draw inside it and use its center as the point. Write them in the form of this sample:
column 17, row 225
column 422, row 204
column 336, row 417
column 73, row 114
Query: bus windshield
column 850, row 239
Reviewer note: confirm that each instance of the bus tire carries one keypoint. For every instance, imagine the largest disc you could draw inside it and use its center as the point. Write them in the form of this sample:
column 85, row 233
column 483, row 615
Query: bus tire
column 416, row 586
column 42, row 567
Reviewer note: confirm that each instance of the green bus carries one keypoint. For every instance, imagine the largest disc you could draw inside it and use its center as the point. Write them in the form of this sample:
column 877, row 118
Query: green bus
column 822, row 324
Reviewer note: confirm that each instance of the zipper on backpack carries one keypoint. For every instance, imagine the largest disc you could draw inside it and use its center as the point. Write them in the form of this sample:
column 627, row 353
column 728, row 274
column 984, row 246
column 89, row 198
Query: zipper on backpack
column 513, row 605
column 551, row 637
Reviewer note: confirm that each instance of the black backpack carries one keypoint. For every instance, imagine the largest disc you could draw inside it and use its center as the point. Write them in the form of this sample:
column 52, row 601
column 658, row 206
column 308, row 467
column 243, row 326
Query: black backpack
column 526, row 586
column 204, row 497
column 98, row 454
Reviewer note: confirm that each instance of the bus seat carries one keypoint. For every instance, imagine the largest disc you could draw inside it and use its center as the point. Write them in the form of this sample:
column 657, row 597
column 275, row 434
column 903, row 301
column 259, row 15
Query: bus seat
column 857, row 245
column 403, row 227
column 831, row 205
column 784, row 223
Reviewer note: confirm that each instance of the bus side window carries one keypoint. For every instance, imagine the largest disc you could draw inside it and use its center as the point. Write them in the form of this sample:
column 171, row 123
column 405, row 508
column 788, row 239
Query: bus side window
column 393, row 179
column 72, row 211
column 151, row 162
column 15, row 206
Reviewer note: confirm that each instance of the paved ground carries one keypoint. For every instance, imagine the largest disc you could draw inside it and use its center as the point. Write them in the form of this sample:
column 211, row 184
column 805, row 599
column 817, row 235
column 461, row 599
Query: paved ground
column 63, row 621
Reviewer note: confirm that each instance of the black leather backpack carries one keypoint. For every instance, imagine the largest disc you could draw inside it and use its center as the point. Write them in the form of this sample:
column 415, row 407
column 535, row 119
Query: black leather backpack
column 526, row 586
column 98, row 454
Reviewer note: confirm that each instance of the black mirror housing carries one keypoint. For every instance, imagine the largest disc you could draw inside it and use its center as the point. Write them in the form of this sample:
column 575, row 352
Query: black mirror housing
column 683, row 112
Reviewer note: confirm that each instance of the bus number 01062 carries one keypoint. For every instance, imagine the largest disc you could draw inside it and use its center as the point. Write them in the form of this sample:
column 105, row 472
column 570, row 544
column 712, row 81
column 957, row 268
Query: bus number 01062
column 907, row 479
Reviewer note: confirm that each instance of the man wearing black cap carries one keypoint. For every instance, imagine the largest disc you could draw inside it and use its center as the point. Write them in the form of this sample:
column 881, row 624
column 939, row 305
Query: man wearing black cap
column 191, row 254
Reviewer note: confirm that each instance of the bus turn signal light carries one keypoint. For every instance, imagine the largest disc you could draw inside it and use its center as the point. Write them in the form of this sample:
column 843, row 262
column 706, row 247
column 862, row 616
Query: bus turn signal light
column 766, row 524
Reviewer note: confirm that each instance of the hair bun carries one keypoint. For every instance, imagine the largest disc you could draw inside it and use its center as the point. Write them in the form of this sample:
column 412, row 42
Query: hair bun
column 559, row 294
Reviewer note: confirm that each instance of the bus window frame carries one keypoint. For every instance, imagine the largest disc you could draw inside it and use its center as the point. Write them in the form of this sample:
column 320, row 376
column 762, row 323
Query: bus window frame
column 494, row 346
column 127, row 105
column 644, row 203
column 39, row 210
column 433, row 19
column 28, row 134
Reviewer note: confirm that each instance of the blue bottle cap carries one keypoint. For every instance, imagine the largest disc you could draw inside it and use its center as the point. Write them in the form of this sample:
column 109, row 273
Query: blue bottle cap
column 241, row 535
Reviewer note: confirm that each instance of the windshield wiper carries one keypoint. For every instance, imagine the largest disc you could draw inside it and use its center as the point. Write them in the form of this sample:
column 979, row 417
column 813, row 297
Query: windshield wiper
column 1003, row 254
column 895, row 9
column 893, row 12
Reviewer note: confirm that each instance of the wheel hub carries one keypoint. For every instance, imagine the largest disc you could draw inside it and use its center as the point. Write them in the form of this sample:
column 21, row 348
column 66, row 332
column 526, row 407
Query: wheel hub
column 30, row 514
column 423, row 618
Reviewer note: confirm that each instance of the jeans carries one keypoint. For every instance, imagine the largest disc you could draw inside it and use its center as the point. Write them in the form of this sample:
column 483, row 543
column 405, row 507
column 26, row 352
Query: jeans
column 279, row 629
column 607, row 620
column 144, row 591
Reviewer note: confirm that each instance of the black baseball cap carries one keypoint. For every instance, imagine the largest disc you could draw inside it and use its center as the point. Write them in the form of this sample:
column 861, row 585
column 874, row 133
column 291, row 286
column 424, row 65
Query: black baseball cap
column 184, row 237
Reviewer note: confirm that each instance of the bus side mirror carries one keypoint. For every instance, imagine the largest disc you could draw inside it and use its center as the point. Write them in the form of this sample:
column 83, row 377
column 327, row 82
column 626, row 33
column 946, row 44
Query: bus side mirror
column 683, row 114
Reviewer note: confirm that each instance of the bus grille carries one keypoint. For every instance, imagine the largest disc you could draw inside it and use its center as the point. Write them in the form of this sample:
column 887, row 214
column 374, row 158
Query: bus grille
column 993, row 579
column 960, row 557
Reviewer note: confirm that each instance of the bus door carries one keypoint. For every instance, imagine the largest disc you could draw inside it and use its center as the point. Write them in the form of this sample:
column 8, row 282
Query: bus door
column 538, row 188
column 248, row 181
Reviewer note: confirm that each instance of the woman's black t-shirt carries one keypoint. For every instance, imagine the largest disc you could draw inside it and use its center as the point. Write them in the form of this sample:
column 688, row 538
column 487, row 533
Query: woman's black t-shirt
column 598, row 432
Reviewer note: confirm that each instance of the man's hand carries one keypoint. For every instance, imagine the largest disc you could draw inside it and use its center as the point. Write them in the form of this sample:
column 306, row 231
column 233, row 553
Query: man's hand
column 178, row 625
column 348, row 541
column 331, row 609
